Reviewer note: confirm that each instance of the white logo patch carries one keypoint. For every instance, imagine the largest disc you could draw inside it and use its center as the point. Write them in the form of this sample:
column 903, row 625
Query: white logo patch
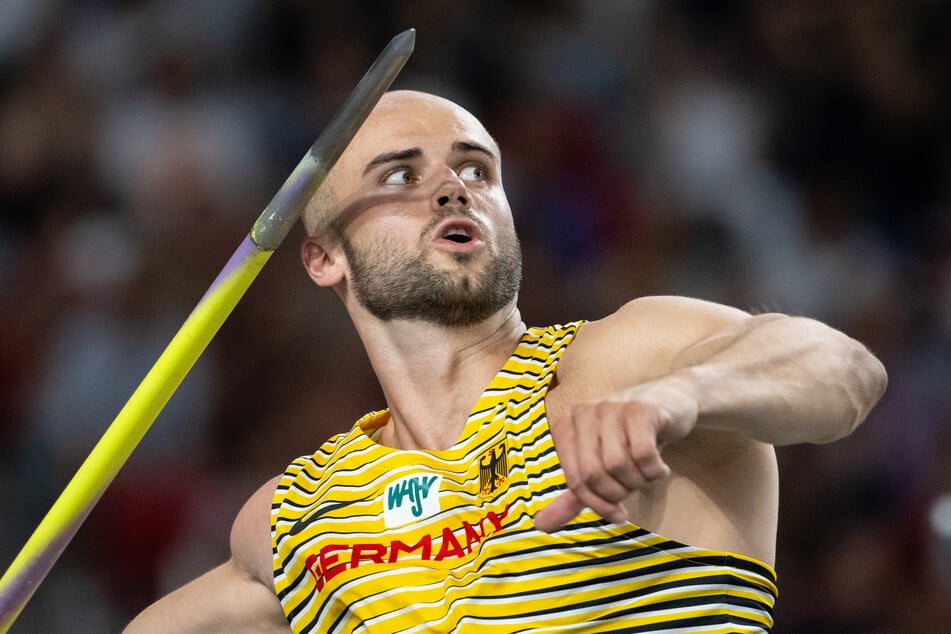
column 411, row 498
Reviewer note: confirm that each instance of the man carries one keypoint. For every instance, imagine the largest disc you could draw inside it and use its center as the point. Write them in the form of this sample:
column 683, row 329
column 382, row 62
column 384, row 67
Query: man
column 451, row 510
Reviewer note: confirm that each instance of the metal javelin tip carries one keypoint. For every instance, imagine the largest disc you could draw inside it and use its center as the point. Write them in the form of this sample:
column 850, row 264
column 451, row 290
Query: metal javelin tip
column 289, row 202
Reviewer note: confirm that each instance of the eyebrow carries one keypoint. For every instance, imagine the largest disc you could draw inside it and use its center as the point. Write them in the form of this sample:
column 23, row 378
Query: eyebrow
column 389, row 157
column 466, row 146
column 414, row 153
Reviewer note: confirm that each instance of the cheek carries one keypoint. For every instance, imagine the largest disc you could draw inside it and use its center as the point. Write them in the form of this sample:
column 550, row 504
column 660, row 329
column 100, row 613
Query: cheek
column 496, row 206
column 379, row 212
column 389, row 227
column 363, row 210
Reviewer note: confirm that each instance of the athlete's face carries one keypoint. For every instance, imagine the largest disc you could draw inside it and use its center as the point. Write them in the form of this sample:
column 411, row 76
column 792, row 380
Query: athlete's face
column 422, row 217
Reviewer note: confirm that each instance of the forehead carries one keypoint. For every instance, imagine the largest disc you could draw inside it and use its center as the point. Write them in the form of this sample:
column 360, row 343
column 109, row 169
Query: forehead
column 404, row 120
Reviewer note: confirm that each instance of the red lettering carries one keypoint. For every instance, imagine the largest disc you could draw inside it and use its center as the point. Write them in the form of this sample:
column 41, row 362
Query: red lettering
column 309, row 564
column 497, row 519
column 471, row 535
column 312, row 566
column 449, row 547
column 426, row 544
column 328, row 561
column 370, row 552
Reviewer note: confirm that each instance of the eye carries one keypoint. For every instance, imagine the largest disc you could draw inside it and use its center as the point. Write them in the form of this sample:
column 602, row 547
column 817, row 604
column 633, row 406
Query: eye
column 399, row 176
column 473, row 173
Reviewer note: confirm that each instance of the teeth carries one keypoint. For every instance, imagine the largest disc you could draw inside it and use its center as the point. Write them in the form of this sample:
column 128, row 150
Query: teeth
column 457, row 235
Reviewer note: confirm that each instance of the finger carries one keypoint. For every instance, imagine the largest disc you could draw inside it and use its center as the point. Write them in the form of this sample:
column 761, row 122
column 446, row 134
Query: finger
column 571, row 441
column 614, row 512
column 568, row 505
column 644, row 453
column 604, row 463
column 620, row 465
column 593, row 479
column 558, row 512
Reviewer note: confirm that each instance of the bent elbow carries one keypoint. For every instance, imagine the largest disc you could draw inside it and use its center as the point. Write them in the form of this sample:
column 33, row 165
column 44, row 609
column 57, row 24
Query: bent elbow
column 854, row 381
column 873, row 380
column 867, row 382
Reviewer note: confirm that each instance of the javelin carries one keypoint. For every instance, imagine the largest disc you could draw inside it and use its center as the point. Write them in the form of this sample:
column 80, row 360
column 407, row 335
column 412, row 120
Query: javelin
column 123, row 435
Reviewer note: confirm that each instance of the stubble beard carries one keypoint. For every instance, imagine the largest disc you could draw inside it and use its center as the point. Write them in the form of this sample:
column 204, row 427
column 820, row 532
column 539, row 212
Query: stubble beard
column 392, row 284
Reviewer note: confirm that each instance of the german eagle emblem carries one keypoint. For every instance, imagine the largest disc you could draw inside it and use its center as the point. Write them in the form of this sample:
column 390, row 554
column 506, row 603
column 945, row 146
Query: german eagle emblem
column 493, row 470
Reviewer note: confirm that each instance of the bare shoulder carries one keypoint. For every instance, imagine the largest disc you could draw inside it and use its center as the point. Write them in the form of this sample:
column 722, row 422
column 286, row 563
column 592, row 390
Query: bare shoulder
column 666, row 322
column 237, row 596
column 251, row 534
column 639, row 341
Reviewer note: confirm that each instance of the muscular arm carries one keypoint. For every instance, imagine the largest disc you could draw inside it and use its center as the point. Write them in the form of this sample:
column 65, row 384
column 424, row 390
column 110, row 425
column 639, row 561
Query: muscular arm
column 773, row 378
column 770, row 377
column 234, row 597
column 662, row 369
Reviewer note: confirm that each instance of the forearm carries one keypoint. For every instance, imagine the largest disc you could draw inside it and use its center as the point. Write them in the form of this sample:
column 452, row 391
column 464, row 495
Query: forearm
column 780, row 380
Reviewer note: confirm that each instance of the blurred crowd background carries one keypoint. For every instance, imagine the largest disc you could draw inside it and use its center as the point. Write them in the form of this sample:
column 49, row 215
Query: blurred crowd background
column 791, row 156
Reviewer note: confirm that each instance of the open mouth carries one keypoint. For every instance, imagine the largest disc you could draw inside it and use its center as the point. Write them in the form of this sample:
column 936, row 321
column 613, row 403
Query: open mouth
column 463, row 233
column 457, row 235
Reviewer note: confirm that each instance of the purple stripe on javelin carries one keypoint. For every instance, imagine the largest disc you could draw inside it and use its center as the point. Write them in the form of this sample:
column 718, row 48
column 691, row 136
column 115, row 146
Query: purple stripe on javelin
column 246, row 249
column 22, row 586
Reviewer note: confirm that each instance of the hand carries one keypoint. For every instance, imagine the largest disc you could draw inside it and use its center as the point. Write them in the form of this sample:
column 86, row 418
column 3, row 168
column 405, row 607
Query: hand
column 611, row 448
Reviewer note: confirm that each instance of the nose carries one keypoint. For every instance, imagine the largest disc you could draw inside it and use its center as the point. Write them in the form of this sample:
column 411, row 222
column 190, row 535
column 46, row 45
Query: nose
column 451, row 191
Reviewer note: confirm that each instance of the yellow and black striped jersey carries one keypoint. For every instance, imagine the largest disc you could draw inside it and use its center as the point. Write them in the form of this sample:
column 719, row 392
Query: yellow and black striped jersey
column 372, row 539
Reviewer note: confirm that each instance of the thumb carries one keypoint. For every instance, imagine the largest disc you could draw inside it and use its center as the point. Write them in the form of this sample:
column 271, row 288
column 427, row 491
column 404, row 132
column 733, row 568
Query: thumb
column 558, row 512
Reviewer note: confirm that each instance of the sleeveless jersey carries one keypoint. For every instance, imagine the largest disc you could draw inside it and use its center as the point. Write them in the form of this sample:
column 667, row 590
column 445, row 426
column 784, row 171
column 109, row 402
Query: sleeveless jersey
column 372, row 539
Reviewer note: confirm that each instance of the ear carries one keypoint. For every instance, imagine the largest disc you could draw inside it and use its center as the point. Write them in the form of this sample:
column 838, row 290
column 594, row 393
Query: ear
column 324, row 266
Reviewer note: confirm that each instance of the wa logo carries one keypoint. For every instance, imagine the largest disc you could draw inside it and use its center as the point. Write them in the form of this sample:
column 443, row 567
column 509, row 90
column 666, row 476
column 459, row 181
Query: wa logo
column 411, row 498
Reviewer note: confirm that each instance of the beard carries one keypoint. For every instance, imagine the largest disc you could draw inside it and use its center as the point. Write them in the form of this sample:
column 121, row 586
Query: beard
column 392, row 284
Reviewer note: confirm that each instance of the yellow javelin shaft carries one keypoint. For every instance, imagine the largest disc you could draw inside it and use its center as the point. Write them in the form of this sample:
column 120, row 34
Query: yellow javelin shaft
column 76, row 501
column 123, row 435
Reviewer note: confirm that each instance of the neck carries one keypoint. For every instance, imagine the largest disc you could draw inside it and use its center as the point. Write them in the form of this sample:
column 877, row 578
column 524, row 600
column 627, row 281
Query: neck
column 432, row 375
